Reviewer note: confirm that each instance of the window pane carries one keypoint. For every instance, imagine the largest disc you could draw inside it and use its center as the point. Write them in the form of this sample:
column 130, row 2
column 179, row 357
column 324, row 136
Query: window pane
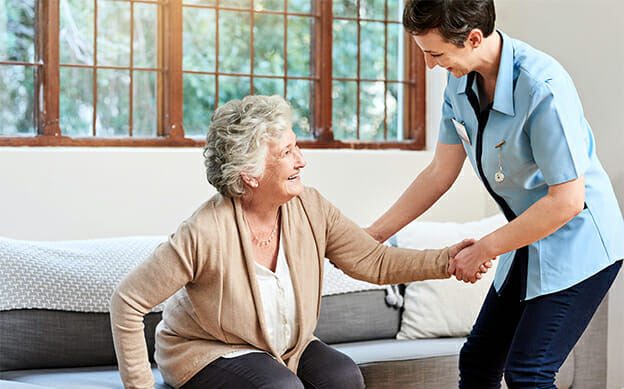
column 373, row 9
column 237, row 3
column 300, row 6
column 395, row 52
column 145, row 35
column 344, row 116
column 298, row 96
column 17, row 32
column 299, row 33
column 113, row 103
column 345, row 8
column 394, row 102
column 199, row 103
column 345, row 50
column 395, row 10
column 269, row 44
column 372, row 111
column 234, row 52
column 271, row 5
column 144, row 105
column 268, row 86
column 76, row 102
column 231, row 88
column 243, row 4
column 199, row 39
column 76, row 32
column 113, row 37
column 372, row 51
column 16, row 100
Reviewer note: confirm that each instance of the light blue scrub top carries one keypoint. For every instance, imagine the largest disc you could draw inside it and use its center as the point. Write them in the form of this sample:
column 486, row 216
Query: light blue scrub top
column 537, row 112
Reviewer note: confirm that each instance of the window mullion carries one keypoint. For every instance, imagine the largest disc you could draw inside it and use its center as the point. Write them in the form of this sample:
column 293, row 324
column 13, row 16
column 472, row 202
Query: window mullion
column 174, row 79
column 323, row 68
column 47, row 53
column 415, row 106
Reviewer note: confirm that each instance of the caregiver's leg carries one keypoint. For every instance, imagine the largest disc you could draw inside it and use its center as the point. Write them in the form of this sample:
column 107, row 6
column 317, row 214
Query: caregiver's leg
column 550, row 327
column 249, row 371
column 482, row 357
column 324, row 367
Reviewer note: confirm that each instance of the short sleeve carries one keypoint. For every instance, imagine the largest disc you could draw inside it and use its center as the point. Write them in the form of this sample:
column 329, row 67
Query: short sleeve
column 447, row 133
column 560, row 138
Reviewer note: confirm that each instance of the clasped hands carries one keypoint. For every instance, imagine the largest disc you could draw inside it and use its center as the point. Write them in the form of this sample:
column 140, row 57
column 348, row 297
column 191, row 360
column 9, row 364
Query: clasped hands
column 467, row 262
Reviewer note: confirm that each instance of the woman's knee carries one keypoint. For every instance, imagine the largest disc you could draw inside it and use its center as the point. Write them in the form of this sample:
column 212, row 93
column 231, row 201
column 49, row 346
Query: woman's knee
column 325, row 367
column 342, row 373
column 348, row 376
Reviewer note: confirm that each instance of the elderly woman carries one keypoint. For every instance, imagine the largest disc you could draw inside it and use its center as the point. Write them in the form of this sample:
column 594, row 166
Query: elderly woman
column 245, row 270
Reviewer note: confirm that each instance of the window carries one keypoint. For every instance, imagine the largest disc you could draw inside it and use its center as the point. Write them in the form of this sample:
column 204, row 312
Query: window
column 151, row 72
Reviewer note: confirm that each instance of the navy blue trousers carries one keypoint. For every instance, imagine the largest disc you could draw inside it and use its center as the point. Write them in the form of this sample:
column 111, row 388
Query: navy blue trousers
column 528, row 341
column 320, row 367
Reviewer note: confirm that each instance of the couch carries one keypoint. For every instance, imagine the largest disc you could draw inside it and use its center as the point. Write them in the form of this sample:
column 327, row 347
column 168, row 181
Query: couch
column 57, row 343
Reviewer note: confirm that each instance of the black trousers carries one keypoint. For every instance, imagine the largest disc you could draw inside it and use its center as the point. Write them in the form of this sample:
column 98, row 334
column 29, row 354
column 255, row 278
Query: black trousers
column 320, row 367
column 528, row 341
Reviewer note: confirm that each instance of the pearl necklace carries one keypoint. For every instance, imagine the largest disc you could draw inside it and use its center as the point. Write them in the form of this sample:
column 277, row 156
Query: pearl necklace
column 264, row 242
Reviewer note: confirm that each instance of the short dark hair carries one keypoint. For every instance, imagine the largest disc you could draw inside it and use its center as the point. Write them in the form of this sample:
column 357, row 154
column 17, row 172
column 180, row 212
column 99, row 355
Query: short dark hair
column 453, row 18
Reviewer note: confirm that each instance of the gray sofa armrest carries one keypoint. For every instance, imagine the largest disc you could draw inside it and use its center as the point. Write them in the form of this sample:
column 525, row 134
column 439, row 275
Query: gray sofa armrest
column 590, row 353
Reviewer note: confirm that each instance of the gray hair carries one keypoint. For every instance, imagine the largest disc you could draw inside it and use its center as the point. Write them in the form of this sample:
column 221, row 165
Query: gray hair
column 236, row 142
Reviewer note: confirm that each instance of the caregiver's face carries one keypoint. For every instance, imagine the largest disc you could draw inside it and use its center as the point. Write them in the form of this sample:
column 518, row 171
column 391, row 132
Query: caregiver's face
column 439, row 52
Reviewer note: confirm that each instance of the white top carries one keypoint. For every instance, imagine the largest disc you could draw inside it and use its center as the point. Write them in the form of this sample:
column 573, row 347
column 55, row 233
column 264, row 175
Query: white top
column 278, row 301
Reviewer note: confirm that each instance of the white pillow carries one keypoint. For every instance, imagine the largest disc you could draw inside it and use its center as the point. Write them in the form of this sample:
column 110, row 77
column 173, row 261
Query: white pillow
column 439, row 308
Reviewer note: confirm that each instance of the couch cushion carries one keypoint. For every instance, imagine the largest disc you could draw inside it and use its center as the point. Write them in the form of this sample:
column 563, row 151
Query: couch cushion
column 398, row 350
column 407, row 364
column 18, row 385
column 38, row 338
column 78, row 275
column 437, row 308
column 104, row 377
column 356, row 316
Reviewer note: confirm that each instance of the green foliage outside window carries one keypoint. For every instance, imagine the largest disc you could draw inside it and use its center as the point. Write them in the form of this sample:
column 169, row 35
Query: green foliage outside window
column 17, row 43
column 120, row 106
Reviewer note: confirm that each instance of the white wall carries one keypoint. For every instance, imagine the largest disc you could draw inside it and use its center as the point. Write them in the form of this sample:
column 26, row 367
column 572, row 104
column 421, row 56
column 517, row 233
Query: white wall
column 586, row 37
column 75, row 193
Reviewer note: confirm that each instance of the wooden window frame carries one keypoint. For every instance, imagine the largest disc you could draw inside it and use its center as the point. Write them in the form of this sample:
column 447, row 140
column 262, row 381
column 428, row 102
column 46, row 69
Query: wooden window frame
column 170, row 83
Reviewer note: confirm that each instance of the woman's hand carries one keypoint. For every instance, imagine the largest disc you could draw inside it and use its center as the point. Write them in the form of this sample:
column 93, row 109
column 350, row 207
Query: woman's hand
column 457, row 247
column 469, row 263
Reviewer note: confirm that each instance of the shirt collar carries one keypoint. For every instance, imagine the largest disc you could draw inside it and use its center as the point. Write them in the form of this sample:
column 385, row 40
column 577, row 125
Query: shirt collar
column 503, row 96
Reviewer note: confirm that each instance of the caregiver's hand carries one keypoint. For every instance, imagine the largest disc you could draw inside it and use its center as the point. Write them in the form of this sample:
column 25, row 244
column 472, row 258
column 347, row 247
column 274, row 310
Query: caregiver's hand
column 470, row 263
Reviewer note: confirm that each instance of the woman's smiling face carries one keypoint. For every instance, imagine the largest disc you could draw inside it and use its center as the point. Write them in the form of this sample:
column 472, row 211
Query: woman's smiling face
column 284, row 162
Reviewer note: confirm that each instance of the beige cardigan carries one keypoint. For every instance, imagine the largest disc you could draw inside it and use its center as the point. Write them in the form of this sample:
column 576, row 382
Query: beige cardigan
column 207, row 266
